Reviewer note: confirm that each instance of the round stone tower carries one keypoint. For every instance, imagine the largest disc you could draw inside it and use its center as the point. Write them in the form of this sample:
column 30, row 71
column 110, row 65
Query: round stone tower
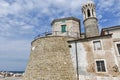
column 50, row 59
column 90, row 20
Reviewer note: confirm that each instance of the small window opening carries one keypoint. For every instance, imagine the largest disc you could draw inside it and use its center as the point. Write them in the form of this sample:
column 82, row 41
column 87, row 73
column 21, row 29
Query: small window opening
column 69, row 46
column 100, row 66
column 97, row 45
column 118, row 47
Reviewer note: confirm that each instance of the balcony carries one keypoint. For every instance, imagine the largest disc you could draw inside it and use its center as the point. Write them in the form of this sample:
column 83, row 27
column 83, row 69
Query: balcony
column 59, row 33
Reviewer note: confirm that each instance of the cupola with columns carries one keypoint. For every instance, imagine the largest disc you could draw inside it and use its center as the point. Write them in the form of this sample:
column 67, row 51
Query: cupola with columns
column 90, row 20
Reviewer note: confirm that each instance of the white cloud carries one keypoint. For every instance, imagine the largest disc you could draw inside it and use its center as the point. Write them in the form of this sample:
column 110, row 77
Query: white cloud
column 14, row 54
column 22, row 15
column 14, row 45
column 103, row 20
column 118, row 22
column 27, row 27
column 103, row 4
column 108, row 6
column 99, row 17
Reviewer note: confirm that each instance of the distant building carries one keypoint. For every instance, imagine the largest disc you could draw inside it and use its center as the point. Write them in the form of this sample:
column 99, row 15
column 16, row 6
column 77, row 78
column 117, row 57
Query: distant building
column 67, row 52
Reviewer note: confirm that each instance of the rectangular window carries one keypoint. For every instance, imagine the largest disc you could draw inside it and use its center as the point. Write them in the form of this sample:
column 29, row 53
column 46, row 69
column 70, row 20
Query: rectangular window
column 100, row 66
column 118, row 47
column 63, row 28
column 97, row 45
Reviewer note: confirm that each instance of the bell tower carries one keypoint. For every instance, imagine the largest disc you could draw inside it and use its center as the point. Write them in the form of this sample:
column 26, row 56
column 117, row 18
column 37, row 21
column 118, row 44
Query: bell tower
column 90, row 20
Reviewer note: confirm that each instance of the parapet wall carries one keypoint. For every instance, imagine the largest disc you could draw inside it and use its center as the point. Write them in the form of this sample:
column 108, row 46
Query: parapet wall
column 50, row 60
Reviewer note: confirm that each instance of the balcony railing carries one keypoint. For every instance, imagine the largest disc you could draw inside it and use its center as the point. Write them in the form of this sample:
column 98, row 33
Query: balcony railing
column 59, row 33
column 43, row 35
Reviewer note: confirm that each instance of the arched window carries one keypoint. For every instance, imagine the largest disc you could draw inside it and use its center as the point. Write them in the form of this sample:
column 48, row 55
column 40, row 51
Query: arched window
column 88, row 12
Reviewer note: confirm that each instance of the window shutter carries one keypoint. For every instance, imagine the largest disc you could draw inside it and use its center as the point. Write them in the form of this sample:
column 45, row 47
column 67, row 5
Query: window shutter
column 63, row 28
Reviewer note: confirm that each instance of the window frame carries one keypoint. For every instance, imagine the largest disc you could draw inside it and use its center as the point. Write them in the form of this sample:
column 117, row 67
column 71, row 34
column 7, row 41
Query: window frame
column 63, row 28
column 96, row 68
column 93, row 42
column 116, row 48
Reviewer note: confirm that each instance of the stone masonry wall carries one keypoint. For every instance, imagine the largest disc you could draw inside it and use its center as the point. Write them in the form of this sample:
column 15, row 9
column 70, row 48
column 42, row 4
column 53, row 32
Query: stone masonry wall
column 73, row 28
column 50, row 60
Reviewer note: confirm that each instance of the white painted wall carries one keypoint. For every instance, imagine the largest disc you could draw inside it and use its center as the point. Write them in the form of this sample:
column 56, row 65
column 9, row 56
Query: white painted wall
column 116, row 33
column 82, row 57
column 116, row 39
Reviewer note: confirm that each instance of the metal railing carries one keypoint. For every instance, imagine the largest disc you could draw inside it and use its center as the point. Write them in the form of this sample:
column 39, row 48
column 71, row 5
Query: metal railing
column 43, row 35
column 59, row 33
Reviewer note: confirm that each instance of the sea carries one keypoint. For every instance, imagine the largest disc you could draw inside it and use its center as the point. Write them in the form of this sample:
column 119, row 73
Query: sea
column 16, row 72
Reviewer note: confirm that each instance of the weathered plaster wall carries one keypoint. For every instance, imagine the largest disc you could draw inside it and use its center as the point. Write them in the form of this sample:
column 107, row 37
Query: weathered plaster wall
column 82, row 56
column 108, row 54
column 117, row 52
column 50, row 59
column 115, row 32
column 116, row 40
column 87, row 57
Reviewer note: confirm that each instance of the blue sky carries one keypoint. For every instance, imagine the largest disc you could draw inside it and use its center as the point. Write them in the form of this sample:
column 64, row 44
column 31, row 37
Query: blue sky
column 22, row 20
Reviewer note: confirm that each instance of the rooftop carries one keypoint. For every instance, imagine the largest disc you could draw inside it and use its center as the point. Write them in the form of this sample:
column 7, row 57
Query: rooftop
column 111, row 28
column 67, row 18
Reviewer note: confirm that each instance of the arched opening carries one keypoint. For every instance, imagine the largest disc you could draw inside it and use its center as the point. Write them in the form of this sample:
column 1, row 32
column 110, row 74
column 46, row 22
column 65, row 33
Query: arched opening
column 88, row 12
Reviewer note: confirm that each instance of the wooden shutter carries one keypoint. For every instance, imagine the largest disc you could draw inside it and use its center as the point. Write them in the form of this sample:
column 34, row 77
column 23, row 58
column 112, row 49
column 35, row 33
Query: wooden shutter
column 63, row 28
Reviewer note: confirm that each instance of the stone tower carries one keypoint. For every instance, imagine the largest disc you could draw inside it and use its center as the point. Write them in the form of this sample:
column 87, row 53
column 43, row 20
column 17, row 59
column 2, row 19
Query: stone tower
column 50, row 59
column 90, row 20
column 69, row 27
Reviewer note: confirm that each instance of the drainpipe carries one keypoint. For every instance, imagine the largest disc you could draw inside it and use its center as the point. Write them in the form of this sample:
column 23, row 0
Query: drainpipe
column 76, row 60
